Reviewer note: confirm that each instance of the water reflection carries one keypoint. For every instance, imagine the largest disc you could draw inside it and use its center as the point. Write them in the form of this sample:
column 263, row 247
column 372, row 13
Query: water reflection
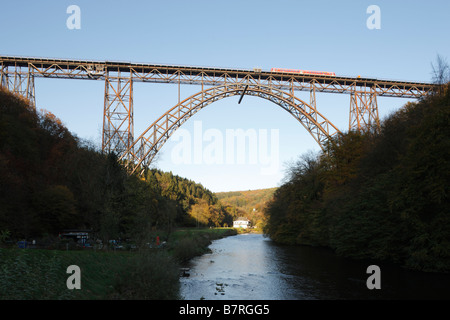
column 249, row 266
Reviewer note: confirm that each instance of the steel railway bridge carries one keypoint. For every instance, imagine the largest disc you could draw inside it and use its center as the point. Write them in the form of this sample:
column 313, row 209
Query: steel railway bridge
column 18, row 74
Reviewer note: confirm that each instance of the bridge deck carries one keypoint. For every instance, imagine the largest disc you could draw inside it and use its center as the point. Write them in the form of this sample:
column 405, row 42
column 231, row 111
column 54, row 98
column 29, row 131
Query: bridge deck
column 92, row 69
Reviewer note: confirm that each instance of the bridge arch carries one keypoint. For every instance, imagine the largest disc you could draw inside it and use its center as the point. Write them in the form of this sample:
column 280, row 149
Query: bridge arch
column 147, row 145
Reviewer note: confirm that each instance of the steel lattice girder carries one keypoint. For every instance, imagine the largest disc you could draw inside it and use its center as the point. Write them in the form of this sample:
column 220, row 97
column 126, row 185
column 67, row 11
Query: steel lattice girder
column 146, row 146
column 19, row 81
column 85, row 69
column 118, row 113
column 118, row 121
column 363, row 110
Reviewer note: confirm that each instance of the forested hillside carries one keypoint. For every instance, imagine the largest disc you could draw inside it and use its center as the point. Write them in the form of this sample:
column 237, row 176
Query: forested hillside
column 198, row 205
column 375, row 195
column 249, row 204
column 51, row 180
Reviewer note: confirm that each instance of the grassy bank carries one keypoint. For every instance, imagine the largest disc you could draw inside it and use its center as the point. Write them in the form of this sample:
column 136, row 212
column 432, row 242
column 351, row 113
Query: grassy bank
column 189, row 243
column 41, row 274
column 34, row 274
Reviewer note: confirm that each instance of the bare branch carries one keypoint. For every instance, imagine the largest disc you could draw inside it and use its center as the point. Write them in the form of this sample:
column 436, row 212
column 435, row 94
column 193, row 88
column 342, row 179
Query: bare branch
column 440, row 71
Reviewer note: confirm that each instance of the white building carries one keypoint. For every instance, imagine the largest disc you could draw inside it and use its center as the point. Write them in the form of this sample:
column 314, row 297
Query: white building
column 241, row 223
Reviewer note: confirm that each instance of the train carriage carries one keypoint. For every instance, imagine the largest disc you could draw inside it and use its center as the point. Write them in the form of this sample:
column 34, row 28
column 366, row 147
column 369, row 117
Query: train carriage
column 320, row 73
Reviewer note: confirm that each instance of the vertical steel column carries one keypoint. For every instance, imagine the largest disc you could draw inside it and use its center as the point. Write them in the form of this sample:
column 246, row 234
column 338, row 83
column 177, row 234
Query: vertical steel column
column 312, row 96
column 118, row 127
column 179, row 89
column 18, row 82
column 292, row 91
column 363, row 110
column 30, row 88
column 4, row 76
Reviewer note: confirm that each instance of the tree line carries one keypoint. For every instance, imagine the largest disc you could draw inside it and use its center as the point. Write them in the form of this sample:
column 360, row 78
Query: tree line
column 249, row 204
column 379, row 194
column 51, row 180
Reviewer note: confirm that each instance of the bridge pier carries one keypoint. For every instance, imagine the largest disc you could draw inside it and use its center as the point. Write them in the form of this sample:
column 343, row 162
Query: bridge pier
column 19, row 82
column 363, row 110
column 118, row 125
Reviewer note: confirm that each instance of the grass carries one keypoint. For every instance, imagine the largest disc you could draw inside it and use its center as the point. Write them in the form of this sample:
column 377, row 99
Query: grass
column 212, row 234
column 38, row 274
column 188, row 243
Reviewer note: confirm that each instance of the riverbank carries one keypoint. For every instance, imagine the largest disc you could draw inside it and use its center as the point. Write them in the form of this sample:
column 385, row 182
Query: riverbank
column 186, row 244
column 375, row 194
column 38, row 274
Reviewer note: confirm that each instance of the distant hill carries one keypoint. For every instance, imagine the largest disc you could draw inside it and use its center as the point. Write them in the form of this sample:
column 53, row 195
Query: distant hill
column 248, row 204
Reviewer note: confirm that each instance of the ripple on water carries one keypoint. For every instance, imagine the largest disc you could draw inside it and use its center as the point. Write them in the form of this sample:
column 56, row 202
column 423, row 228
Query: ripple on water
column 246, row 267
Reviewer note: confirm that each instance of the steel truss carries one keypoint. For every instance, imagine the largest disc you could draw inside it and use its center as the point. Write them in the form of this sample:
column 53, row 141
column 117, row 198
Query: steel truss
column 18, row 74
column 20, row 81
column 147, row 145
column 363, row 110
column 118, row 114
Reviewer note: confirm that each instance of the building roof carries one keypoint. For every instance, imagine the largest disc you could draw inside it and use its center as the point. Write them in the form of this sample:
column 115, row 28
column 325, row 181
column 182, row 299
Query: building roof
column 241, row 219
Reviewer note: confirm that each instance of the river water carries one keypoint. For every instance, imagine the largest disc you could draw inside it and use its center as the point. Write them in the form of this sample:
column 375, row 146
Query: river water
column 252, row 267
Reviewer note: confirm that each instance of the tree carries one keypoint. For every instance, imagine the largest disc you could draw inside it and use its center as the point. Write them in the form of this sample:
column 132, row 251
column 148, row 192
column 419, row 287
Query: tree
column 441, row 71
column 376, row 195
column 56, row 210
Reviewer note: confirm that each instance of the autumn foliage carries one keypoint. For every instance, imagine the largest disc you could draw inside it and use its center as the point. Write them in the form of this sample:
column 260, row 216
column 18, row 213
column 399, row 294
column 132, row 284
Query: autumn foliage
column 375, row 195
column 50, row 180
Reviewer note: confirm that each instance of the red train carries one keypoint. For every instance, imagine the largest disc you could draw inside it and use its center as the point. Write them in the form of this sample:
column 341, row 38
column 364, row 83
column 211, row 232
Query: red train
column 321, row 73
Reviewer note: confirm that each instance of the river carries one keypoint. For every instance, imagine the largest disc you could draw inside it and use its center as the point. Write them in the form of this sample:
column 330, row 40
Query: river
column 252, row 267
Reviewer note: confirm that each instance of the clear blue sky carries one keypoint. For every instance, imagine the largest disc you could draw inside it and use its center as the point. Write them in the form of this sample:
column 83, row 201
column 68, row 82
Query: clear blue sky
column 313, row 35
